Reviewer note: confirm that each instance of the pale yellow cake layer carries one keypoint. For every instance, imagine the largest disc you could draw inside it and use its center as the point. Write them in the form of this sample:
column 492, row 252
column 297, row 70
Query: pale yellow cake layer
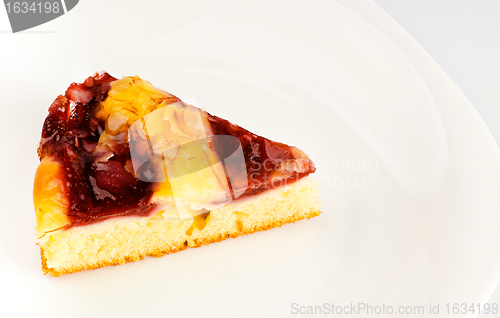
column 120, row 240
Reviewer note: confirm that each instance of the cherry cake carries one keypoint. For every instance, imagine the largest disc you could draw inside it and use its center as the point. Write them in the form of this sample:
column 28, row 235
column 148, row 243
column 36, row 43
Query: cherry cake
column 128, row 170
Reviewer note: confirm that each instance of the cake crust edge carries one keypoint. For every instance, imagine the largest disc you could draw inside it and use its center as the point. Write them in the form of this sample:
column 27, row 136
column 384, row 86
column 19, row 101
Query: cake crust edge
column 162, row 252
column 271, row 209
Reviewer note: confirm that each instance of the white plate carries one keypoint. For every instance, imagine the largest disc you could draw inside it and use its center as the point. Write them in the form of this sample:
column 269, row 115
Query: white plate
column 410, row 174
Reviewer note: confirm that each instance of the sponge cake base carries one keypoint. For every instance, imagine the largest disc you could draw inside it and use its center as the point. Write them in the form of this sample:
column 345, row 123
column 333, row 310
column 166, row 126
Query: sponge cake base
column 128, row 239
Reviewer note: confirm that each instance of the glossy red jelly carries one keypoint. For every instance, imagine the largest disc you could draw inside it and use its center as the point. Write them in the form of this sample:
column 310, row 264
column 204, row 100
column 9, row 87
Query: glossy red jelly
column 99, row 190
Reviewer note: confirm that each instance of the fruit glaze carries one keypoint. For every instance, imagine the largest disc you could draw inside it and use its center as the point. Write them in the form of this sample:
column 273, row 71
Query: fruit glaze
column 103, row 185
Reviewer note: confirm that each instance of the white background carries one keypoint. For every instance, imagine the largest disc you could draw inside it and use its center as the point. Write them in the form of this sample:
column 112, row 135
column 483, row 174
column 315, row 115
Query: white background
column 463, row 36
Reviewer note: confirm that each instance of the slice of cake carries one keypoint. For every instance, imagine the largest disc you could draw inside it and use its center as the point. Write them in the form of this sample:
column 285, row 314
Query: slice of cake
column 128, row 170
